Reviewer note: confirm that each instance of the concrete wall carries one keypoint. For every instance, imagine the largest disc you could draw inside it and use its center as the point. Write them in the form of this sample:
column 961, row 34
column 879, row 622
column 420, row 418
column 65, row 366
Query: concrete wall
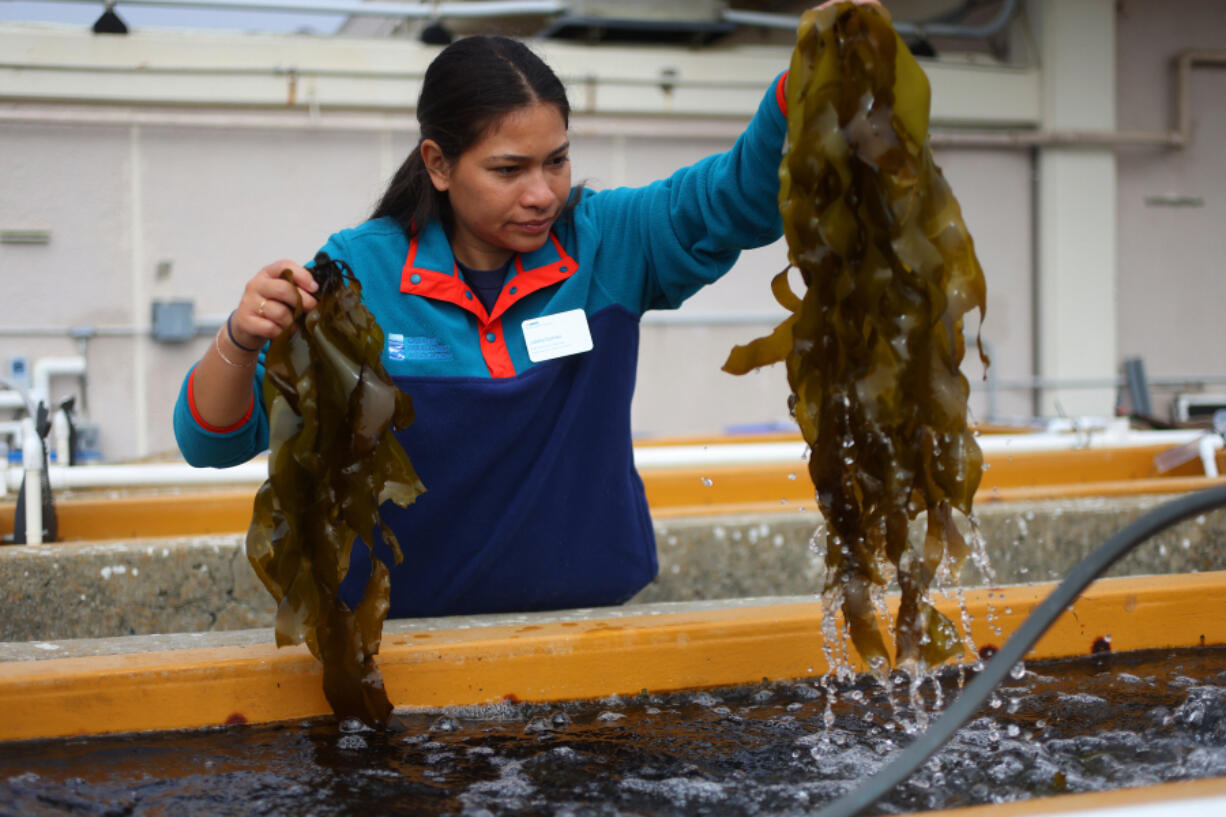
column 194, row 584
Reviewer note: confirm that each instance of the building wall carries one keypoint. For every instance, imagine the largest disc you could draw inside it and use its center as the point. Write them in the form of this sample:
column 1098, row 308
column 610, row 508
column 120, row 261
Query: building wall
column 148, row 203
column 1172, row 203
column 143, row 213
column 140, row 213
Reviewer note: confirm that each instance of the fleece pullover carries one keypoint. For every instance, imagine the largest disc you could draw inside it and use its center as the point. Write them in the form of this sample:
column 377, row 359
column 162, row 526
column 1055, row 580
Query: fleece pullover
column 532, row 500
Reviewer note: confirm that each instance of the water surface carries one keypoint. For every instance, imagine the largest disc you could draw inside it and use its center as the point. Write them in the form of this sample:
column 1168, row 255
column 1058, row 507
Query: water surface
column 1069, row 726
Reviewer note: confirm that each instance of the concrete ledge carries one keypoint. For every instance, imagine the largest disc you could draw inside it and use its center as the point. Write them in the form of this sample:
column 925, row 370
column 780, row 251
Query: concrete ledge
column 1033, row 541
column 176, row 585
column 130, row 587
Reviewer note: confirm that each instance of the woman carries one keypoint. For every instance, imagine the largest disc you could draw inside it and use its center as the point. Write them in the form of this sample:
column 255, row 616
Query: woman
column 510, row 302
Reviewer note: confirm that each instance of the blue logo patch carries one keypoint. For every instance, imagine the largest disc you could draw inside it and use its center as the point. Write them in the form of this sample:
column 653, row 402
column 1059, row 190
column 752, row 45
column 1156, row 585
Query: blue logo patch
column 421, row 347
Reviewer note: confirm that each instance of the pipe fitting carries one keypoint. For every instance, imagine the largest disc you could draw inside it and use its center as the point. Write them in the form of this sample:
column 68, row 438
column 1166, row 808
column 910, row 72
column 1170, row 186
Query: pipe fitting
column 32, row 463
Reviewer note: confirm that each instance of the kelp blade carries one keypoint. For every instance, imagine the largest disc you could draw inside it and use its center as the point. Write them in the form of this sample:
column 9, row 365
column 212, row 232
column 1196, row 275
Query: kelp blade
column 873, row 346
column 333, row 461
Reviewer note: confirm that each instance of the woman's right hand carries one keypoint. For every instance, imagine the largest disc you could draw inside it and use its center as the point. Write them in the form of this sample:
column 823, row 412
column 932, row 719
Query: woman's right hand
column 269, row 302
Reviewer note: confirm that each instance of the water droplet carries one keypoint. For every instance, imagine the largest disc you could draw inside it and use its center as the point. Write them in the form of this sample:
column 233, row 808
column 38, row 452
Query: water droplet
column 1019, row 671
column 351, row 742
column 538, row 726
column 445, row 724
column 349, row 726
column 792, row 477
column 707, row 481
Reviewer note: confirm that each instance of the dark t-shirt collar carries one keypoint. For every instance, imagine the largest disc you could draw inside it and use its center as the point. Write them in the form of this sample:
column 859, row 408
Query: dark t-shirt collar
column 485, row 284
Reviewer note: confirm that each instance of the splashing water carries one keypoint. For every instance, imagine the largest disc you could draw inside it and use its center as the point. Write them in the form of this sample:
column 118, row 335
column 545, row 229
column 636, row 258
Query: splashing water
column 1067, row 726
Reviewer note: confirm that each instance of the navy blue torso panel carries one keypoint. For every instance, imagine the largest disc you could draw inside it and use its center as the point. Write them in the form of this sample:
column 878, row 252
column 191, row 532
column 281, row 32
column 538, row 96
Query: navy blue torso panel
column 557, row 518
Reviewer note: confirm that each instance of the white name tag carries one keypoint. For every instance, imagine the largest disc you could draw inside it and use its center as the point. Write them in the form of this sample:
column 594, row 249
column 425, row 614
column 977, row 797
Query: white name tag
column 559, row 335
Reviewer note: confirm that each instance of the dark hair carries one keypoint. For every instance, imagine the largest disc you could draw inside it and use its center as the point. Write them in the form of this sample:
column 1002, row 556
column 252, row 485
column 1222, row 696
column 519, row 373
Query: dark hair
column 467, row 89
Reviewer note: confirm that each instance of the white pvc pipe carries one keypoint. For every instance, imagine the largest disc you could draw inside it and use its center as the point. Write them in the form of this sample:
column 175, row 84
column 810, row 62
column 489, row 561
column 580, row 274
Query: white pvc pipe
column 63, row 437
column 679, row 456
column 645, row 457
column 48, row 367
column 1210, row 444
column 148, row 475
column 32, row 461
column 1068, row 441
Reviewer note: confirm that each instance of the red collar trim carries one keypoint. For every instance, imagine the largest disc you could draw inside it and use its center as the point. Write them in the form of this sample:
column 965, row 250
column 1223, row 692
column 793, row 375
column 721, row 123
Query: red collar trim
column 450, row 287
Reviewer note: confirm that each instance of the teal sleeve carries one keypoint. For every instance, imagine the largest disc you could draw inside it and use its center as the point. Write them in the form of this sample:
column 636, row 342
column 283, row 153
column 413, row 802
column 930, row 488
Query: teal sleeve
column 679, row 234
column 221, row 448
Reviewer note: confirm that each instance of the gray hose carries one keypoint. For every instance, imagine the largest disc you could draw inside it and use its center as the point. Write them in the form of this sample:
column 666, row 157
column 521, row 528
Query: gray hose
column 1019, row 644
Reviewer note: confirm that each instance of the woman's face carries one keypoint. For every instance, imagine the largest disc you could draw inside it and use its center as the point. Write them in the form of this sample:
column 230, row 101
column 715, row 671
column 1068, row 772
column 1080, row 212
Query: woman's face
column 507, row 189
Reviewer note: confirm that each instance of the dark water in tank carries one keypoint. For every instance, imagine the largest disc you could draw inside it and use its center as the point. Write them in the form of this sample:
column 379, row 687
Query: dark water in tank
column 1069, row 726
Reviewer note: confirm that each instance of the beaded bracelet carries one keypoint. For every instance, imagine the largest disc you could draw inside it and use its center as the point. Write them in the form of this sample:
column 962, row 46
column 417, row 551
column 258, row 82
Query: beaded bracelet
column 230, row 332
column 222, row 355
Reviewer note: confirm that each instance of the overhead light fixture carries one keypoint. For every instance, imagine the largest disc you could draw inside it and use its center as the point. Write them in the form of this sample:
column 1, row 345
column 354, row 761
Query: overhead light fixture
column 109, row 22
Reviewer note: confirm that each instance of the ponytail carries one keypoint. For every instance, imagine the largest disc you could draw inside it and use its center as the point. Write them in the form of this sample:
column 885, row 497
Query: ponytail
column 411, row 199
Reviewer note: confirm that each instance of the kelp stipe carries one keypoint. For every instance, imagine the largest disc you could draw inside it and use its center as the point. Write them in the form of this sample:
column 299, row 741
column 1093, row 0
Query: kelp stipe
column 874, row 344
column 333, row 461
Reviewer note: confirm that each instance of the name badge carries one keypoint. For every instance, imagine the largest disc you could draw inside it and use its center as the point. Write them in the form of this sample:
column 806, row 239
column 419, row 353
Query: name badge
column 550, row 336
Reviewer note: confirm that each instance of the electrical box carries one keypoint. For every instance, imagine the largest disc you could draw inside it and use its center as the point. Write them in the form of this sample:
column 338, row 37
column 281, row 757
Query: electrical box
column 18, row 370
column 86, row 443
column 174, row 321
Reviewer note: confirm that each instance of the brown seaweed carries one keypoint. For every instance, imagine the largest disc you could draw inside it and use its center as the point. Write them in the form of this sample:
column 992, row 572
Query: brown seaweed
column 333, row 462
column 874, row 344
